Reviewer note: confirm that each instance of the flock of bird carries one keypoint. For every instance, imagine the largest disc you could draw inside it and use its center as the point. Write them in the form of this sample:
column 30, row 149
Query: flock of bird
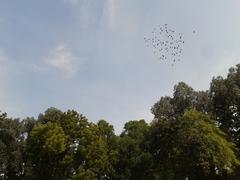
column 166, row 43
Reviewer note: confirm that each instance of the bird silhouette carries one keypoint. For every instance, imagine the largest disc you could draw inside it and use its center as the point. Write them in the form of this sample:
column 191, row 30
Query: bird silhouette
column 166, row 43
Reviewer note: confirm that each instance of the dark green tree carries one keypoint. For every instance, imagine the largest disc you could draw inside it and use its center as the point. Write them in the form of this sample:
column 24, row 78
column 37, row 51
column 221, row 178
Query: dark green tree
column 11, row 148
column 134, row 160
column 225, row 96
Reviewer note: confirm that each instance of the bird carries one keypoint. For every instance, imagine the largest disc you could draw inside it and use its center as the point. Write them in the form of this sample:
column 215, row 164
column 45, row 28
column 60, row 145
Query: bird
column 166, row 43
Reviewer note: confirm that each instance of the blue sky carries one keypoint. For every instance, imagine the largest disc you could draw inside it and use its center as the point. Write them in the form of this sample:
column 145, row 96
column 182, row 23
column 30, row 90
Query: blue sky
column 89, row 55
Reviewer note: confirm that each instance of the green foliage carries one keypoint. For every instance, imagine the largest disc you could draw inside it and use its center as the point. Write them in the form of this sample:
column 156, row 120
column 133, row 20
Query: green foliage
column 65, row 145
column 45, row 146
column 225, row 95
column 11, row 148
column 194, row 135
column 85, row 174
column 184, row 97
column 49, row 138
column 134, row 160
column 191, row 146
column 106, row 132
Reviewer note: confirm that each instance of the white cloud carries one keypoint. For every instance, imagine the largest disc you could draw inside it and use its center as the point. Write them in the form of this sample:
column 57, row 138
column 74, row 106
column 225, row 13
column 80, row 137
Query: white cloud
column 62, row 58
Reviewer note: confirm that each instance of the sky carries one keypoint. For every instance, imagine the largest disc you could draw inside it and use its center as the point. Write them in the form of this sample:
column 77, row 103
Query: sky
column 90, row 56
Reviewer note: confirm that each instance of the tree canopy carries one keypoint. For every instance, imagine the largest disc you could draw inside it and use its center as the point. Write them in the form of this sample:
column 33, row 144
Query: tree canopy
column 194, row 135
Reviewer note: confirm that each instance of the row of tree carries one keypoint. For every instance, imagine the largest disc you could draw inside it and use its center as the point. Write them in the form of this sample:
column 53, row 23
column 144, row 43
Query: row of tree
column 194, row 135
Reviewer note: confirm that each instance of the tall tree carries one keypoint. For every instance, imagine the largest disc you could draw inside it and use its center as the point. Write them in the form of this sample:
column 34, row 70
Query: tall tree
column 225, row 96
column 191, row 146
column 11, row 148
column 65, row 145
column 134, row 161
column 184, row 97
column 47, row 144
column 106, row 131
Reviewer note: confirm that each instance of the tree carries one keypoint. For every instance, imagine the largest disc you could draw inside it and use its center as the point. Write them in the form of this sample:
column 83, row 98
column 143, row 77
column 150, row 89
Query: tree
column 184, row 97
column 46, row 145
column 191, row 146
column 225, row 96
column 163, row 108
column 65, row 145
column 11, row 148
column 106, row 131
column 134, row 160
column 93, row 153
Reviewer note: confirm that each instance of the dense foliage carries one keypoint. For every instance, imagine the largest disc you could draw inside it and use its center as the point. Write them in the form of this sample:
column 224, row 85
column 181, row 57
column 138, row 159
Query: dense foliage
column 194, row 135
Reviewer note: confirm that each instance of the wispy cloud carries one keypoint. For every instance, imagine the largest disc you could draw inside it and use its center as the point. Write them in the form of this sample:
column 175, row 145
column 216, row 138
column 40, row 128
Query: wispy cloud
column 63, row 59
column 92, row 12
column 88, row 11
column 112, row 12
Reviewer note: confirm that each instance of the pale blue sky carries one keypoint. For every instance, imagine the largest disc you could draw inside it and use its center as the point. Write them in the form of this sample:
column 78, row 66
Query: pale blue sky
column 89, row 55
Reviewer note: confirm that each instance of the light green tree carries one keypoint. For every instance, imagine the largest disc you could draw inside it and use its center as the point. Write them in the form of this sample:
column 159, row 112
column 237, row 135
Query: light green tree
column 191, row 146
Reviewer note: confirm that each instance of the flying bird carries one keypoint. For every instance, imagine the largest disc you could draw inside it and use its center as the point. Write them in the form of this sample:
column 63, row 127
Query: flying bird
column 166, row 43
